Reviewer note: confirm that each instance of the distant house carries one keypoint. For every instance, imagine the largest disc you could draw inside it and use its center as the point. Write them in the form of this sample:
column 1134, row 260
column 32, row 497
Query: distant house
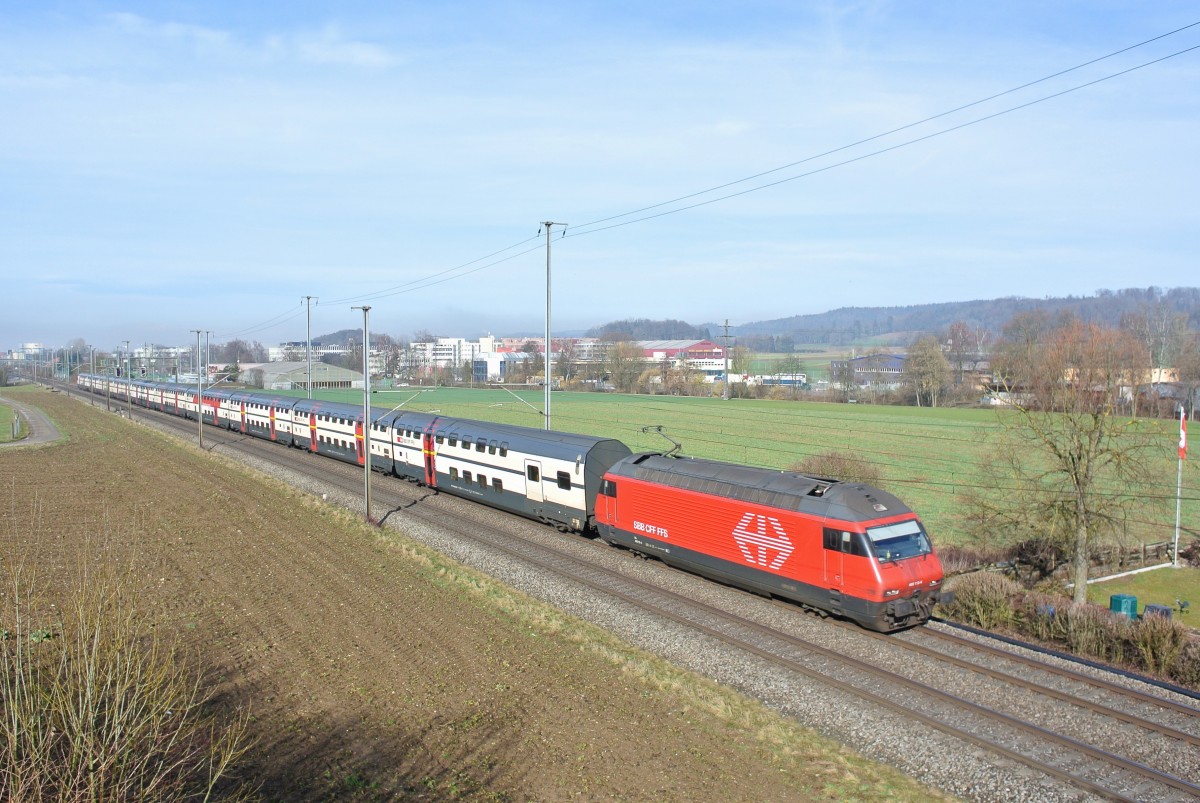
column 294, row 376
column 871, row 370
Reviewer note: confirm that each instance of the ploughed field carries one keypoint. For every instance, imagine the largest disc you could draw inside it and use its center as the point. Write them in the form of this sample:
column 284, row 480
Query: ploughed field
column 374, row 668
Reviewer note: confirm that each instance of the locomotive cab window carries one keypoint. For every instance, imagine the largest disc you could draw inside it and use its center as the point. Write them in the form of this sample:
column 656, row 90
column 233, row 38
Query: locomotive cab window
column 608, row 488
column 564, row 480
column 905, row 539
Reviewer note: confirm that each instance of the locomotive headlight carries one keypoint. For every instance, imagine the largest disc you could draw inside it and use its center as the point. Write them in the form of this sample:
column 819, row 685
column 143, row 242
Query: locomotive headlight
column 934, row 583
column 893, row 592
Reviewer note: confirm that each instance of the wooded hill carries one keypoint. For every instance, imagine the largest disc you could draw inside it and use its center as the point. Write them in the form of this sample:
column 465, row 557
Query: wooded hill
column 849, row 324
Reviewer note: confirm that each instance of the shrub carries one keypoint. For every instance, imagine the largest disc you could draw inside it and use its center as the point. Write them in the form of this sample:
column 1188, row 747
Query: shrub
column 1093, row 631
column 1190, row 553
column 984, row 599
column 1186, row 668
column 1039, row 613
column 1157, row 641
column 96, row 705
column 840, row 466
column 959, row 559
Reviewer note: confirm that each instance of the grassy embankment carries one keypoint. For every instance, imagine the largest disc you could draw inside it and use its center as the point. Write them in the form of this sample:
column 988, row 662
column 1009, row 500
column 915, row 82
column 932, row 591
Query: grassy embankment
column 7, row 416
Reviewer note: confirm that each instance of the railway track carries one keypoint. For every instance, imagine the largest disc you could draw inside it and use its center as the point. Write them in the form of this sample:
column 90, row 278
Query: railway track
column 1057, row 728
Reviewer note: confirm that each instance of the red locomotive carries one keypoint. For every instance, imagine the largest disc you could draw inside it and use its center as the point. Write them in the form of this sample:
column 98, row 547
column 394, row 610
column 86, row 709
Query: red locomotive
column 836, row 547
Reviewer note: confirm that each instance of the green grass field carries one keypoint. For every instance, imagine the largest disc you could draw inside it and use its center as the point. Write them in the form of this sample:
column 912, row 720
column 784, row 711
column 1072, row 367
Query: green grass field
column 1157, row 587
column 927, row 456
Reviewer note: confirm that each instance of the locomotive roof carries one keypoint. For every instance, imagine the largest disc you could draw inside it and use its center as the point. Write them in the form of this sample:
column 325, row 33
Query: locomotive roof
column 847, row 501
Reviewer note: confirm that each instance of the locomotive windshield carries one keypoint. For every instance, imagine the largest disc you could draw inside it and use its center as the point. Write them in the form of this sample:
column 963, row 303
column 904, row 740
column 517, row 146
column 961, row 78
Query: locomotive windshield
column 905, row 539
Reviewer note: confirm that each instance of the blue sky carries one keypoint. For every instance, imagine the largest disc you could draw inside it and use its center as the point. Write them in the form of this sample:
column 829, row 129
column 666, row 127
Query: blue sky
column 170, row 166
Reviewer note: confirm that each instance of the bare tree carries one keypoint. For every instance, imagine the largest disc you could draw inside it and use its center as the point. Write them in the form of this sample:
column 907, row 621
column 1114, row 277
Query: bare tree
column 960, row 343
column 1063, row 449
column 789, row 366
column 1188, row 367
column 624, row 364
column 842, row 375
column 927, row 370
column 564, row 363
column 1160, row 330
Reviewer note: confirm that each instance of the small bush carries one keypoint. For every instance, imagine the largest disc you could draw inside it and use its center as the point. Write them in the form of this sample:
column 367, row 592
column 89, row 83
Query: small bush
column 1039, row 613
column 840, row 466
column 1186, row 668
column 958, row 559
column 1093, row 631
column 984, row 599
column 96, row 705
column 1190, row 553
column 1157, row 641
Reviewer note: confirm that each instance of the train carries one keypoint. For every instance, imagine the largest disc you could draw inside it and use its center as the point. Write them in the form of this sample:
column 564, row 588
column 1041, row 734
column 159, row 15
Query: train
column 836, row 548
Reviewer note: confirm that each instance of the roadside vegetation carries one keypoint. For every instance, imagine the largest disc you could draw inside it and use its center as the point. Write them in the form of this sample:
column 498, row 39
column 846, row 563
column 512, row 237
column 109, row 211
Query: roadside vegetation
column 7, row 416
column 96, row 704
column 1156, row 644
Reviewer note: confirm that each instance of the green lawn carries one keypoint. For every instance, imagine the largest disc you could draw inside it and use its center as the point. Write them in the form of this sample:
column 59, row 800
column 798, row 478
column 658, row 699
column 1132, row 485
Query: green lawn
column 6, row 419
column 927, row 456
column 1158, row 587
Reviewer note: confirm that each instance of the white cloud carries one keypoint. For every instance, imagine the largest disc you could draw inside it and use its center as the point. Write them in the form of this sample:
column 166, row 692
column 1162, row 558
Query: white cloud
column 328, row 46
column 200, row 36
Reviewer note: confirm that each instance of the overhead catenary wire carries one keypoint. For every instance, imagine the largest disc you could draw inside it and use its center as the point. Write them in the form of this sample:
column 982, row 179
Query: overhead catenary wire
column 896, row 130
column 872, row 154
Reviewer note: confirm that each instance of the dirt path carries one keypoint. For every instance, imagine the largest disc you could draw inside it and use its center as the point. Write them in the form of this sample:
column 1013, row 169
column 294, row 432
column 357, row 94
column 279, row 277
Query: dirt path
column 40, row 428
column 375, row 669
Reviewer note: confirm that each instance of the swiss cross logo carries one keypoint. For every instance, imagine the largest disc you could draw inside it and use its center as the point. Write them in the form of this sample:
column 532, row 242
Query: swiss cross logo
column 762, row 540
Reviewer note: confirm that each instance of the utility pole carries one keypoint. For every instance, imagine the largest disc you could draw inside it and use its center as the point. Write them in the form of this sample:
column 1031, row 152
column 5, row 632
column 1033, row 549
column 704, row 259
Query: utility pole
column 366, row 413
column 1179, row 476
column 199, row 392
column 308, row 346
column 128, row 383
column 547, row 225
column 725, row 392
column 207, row 354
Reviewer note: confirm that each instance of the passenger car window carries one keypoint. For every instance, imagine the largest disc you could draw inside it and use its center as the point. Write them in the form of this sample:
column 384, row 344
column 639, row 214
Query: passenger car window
column 533, row 474
column 564, row 480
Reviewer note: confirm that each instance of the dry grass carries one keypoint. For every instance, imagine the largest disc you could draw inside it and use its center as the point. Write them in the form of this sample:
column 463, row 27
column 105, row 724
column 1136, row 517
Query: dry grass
column 99, row 706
